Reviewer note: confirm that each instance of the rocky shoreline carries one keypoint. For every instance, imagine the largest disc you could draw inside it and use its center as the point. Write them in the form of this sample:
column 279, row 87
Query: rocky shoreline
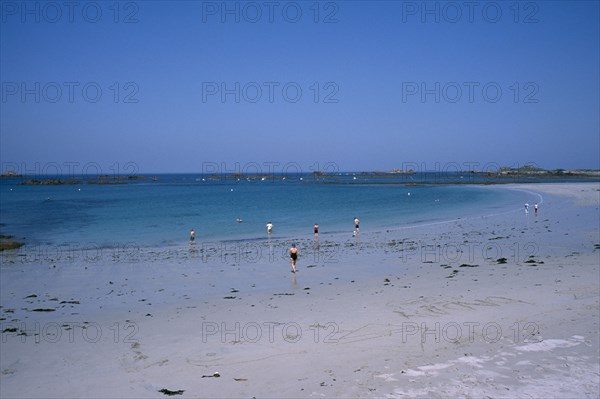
column 6, row 243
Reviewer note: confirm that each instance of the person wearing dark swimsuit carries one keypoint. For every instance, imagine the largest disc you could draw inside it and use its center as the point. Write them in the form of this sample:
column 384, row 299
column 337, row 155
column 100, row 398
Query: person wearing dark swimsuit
column 293, row 257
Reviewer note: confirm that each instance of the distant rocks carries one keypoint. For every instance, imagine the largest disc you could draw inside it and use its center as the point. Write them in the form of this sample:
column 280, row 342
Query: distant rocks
column 48, row 182
column 102, row 179
column 7, row 244
column 10, row 175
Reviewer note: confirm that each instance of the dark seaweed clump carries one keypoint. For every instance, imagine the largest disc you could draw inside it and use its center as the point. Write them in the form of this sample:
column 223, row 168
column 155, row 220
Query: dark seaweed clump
column 171, row 393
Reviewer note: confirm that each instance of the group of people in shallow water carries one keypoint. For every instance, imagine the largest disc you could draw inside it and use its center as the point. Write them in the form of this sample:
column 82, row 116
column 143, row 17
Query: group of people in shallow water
column 293, row 250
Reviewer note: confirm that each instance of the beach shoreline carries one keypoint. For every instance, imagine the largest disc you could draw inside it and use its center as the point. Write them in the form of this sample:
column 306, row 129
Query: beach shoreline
column 500, row 305
column 67, row 219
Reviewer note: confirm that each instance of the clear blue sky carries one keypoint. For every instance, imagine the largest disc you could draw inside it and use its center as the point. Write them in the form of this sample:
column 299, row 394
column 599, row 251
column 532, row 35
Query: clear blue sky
column 397, row 84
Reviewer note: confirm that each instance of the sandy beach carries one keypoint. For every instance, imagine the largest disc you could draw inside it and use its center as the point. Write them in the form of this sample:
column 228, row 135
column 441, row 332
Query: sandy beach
column 502, row 306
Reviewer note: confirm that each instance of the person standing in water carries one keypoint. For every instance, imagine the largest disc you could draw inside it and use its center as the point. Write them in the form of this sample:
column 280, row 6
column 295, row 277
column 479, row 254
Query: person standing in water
column 356, row 223
column 526, row 208
column 269, row 228
column 316, row 229
column 535, row 209
column 192, row 235
column 293, row 257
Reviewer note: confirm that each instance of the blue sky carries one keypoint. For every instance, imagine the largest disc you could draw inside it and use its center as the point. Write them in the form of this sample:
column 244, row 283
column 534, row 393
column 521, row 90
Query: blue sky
column 177, row 86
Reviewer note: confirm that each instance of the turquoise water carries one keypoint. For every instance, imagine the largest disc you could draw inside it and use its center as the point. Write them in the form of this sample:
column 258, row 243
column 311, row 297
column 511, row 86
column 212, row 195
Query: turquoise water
column 161, row 213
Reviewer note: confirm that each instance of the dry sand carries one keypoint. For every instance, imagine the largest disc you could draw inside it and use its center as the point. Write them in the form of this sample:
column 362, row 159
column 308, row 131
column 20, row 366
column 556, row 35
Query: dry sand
column 504, row 306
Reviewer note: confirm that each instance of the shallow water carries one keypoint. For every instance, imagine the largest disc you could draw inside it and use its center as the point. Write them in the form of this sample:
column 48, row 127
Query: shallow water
column 161, row 213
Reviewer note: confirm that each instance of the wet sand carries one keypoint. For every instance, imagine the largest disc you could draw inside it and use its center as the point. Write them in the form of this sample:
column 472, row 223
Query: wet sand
column 499, row 306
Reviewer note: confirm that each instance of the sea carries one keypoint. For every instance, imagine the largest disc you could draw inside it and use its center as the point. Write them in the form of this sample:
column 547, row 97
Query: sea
column 159, row 211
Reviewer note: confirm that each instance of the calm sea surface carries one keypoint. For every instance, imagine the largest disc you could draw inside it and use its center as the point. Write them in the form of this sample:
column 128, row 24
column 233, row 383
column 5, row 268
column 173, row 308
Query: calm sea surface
column 160, row 213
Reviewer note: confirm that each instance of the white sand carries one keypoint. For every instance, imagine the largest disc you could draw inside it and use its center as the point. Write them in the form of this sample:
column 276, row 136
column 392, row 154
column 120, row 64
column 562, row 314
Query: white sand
column 421, row 312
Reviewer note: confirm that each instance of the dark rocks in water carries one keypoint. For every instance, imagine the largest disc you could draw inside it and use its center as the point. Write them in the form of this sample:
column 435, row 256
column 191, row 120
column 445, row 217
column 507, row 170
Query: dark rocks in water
column 70, row 302
column 171, row 393
column 501, row 260
column 8, row 245
column 229, row 297
column 467, row 265
column 10, row 174
column 31, row 296
column 48, row 182
column 43, row 310
column 101, row 180
column 127, row 177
